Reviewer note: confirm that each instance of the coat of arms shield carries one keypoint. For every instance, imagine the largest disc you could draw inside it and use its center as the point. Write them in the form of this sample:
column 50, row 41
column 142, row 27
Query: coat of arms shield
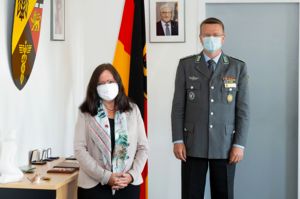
column 25, row 39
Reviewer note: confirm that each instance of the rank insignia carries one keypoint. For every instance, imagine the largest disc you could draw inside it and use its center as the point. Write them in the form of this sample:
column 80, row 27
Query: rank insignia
column 198, row 58
column 225, row 59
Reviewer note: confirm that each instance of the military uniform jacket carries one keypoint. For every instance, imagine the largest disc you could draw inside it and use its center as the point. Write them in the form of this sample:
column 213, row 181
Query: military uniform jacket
column 210, row 114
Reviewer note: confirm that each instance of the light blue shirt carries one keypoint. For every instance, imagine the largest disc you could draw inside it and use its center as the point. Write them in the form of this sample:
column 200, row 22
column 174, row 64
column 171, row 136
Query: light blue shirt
column 216, row 58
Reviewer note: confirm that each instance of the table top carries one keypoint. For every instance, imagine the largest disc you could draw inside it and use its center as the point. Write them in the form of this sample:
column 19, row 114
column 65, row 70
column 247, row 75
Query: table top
column 56, row 181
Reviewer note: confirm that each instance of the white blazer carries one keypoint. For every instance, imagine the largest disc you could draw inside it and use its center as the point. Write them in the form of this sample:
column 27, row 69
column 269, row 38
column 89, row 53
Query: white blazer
column 89, row 156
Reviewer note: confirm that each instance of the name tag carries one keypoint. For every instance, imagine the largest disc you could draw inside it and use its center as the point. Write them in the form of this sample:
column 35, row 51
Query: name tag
column 230, row 85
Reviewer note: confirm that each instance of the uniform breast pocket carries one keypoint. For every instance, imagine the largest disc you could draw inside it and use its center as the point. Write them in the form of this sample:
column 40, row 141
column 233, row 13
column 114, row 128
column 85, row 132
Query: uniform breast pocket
column 193, row 91
column 229, row 95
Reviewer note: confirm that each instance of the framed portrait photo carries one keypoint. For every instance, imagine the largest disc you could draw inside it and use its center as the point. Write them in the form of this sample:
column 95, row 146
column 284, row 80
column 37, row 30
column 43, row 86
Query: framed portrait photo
column 58, row 20
column 167, row 21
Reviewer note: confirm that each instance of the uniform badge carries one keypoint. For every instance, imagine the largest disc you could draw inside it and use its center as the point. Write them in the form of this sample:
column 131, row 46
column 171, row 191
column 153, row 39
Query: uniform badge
column 229, row 82
column 191, row 95
column 229, row 98
column 225, row 59
column 230, row 85
column 193, row 78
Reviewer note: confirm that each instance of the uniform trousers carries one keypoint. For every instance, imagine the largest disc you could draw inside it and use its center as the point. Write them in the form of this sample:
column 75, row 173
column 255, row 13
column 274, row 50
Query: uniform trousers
column 105, row 192
column 193, row 174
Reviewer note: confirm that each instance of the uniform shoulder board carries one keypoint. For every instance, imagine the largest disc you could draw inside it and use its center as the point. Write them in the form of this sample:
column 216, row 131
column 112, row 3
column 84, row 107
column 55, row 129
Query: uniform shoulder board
column 237, row 59
column 190, row 56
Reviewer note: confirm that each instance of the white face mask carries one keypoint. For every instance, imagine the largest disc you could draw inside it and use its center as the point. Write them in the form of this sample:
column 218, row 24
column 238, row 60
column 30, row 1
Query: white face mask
column 212, row 44
column 108, row 91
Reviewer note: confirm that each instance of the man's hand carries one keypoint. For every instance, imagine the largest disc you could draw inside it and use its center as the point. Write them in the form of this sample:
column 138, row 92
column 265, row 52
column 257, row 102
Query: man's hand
column 179, row 151
column 236, row 155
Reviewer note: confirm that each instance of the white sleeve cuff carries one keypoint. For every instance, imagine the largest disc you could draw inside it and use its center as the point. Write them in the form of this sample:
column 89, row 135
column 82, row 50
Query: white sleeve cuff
column 239, row 146
column 178, row 142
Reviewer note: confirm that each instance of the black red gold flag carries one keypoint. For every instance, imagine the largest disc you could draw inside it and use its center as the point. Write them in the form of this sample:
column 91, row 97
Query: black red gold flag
column 130, row 61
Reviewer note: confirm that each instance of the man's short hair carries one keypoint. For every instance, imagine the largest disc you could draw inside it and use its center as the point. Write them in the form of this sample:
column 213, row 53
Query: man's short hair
column 166, row 5
column 212, row 20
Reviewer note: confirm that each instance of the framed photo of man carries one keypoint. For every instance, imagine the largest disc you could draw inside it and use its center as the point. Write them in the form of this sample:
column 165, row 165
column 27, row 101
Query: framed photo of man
column 167, row 21
column 58, row 20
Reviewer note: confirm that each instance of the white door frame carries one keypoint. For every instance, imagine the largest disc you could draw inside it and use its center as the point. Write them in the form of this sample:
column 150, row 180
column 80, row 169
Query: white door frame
column 202, row 16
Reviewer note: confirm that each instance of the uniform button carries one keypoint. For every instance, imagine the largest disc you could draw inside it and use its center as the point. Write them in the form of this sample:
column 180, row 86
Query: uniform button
column 211, row 126
column 185, row 129
column 230, row 89
column 212, row 100
column 211, row 113
column 212, row 87
column 192, row 87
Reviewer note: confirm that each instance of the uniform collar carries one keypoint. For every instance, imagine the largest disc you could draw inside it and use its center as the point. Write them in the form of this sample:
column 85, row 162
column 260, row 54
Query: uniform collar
column 201, row 64
column 216, row 58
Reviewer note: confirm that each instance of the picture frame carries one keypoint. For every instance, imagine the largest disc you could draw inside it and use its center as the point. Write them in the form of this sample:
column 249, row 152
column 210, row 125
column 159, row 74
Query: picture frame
column 57, row 20
column 167, row 21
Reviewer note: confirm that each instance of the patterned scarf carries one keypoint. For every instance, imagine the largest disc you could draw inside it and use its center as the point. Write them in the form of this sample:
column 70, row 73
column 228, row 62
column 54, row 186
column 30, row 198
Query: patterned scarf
column 100, row 133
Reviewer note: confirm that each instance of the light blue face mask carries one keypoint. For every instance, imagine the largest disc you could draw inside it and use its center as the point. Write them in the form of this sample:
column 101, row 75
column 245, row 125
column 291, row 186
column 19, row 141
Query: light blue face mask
column 212, row 44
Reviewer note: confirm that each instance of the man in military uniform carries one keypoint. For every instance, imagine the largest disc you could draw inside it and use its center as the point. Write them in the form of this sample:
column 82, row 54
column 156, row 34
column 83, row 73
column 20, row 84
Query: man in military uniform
column 210, row 115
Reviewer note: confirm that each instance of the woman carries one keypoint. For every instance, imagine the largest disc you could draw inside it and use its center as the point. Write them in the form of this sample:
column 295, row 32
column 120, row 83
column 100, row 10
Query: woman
column 110, row 141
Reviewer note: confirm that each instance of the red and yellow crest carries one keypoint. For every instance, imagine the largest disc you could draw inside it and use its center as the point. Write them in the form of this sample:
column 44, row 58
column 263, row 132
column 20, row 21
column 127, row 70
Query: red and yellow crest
column 25, row 39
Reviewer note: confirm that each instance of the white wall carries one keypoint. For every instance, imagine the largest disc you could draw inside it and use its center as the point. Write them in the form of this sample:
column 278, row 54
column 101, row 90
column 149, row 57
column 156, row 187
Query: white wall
column 38, row 112
column 162, row 61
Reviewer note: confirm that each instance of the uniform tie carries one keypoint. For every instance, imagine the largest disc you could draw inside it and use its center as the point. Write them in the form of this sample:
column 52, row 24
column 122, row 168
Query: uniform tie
column 211, row 66
column 168, row 29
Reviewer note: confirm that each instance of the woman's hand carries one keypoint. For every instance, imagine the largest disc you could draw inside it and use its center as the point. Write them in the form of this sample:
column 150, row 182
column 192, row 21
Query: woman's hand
column 120, row 180
column 114, row 179
column 126, row 178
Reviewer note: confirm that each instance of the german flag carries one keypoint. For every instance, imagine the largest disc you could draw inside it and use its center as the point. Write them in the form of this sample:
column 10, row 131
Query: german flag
column 130, row 61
